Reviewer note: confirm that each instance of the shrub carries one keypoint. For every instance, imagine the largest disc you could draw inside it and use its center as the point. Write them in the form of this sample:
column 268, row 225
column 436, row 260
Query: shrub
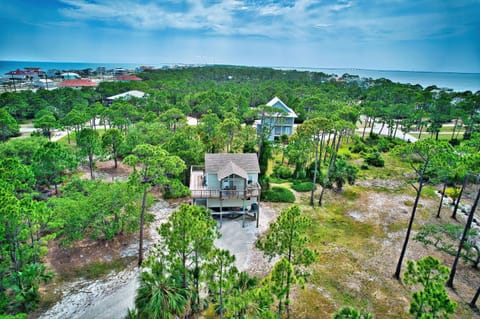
column 175, row 189
column 374, row 159
column 358, row 145
column 303, row 186
column 264, row 182
column 345, row 154
column 358, row 148
column 279, row 195
column 282, row 172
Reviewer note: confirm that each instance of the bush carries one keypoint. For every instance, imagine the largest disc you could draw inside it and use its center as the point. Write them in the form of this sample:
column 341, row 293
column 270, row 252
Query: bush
column 374, row 159
column 346, row 154
column 358, row 145
column 383, row 144
column 282, row 172
column 303, row 186
column 264, row 182
column 279, row 195
column 175, row 189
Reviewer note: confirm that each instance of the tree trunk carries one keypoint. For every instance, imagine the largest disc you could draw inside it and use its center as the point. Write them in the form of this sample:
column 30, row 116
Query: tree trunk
column 364, row 128
column 32, row 241
column 142, row 220
column 381, row 128
column 330, row 164
column 336, row 148
column 454, row 129
column 457, row 203
column 473, row 303
column 90, row 164
column 396, row 128
column 115, row 157
column 409, row 229
column 441, row 199
column 314, row 173
column 462, row 241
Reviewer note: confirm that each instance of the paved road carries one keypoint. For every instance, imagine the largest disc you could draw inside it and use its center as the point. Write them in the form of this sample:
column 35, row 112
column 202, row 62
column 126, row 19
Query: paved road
column 377, row 127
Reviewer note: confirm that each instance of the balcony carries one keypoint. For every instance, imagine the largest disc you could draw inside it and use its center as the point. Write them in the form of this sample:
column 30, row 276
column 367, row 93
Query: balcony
column 199, row 190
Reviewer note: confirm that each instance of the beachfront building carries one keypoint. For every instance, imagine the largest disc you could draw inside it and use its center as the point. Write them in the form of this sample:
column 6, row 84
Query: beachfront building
column 18, row 75
column 227, row 185
column 69, row 76
column 277, row 123
column 45, row 83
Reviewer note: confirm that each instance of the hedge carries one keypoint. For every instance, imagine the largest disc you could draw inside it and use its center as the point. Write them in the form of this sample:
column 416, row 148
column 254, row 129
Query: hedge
column 279, row 195
column 303, row 186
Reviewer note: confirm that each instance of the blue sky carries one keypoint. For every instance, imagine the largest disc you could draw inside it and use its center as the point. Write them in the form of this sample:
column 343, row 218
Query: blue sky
column 428, row 35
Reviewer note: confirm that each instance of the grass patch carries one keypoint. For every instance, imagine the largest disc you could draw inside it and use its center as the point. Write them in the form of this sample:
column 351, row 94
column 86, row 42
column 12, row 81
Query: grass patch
column 278, row 194
column 394, row 169
column 429, row 191
column 351, row 193
column 303, row 186
column 96, row 270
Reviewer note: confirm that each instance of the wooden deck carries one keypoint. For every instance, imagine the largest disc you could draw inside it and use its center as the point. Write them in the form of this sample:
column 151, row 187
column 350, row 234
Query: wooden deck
column 199, row 190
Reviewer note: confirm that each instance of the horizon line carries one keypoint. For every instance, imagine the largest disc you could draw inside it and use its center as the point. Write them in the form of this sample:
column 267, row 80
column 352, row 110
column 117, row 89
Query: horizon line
column 306, row 68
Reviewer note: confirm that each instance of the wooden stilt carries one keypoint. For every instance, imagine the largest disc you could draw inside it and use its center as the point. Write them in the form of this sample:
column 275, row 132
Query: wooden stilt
column 243, row 207
column 244, row 212
column 221, row 212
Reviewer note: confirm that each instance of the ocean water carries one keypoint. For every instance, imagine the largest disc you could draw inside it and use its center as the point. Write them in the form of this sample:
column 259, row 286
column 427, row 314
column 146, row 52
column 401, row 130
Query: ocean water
column 7, row 66
column 456, row 81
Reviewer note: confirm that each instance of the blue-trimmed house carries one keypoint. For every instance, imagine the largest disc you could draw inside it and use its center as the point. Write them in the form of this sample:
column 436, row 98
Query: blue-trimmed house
column 277, row 124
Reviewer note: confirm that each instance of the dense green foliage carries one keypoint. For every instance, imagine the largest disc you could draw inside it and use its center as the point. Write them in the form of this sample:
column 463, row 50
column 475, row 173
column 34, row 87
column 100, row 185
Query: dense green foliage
column 351, row 313
column 432, row 301
column 303, row 186
column 278, row 194
column 286, row 239
column 153, row 137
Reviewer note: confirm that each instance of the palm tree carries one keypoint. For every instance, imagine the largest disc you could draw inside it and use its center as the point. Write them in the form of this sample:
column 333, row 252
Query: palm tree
column 160, row 295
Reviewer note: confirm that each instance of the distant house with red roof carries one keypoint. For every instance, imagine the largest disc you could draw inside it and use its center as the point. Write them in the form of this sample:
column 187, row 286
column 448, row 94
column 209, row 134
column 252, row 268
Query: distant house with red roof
column 77, row 83
column 17, row 75
column 128, row 77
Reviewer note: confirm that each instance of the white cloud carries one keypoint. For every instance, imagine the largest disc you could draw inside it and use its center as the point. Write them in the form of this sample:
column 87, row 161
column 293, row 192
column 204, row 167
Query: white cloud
column 300, row 19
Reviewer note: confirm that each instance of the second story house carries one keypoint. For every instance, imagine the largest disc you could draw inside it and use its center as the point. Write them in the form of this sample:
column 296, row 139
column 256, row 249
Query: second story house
column 228, row 184
column 278, row 123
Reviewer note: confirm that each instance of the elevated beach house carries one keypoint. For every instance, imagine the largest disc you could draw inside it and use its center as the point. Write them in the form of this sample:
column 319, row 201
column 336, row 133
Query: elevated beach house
column 278, row 123
column 227, row 185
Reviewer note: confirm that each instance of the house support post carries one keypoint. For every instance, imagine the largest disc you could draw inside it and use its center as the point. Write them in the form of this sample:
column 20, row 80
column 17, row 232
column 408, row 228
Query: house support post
column 258, row 209
column 221, row 210
column 244, row 212
column 243, row 207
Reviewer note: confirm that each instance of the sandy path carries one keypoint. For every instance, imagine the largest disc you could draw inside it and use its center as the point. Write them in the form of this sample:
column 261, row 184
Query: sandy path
column 112, row 296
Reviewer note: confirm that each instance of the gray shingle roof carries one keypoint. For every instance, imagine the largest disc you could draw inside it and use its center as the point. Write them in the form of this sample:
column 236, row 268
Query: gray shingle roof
column 216, row 162
column 231, row 168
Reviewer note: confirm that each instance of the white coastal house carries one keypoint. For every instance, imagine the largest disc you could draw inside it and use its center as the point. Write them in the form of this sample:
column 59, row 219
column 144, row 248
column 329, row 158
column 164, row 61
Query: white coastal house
column 227, row 185
column 277, row 123
column 125, row 96
column 70, row 76
column 45, row 83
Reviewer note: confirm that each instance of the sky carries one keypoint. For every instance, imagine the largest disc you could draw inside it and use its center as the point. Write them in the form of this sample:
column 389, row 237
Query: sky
column 411, row 35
